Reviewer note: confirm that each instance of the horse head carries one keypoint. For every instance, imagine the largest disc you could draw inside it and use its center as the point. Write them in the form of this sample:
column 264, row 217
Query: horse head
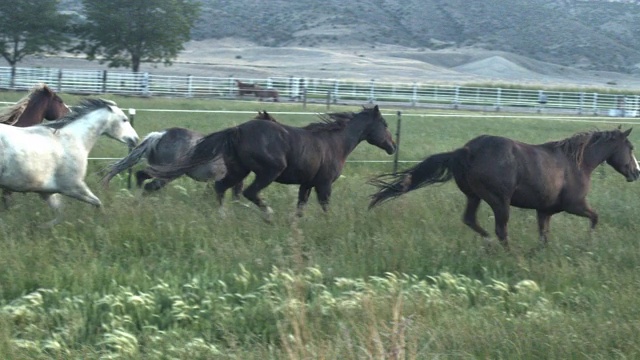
column 622, row 158
column 118, row 125
column 55, row 108
column 377, row 132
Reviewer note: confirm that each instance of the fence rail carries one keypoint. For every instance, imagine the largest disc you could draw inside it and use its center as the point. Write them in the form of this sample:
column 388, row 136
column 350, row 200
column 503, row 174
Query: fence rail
column 327, row 90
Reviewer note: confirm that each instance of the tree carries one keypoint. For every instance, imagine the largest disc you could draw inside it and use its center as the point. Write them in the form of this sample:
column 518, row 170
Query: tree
column 29, row 27
column 125, row 33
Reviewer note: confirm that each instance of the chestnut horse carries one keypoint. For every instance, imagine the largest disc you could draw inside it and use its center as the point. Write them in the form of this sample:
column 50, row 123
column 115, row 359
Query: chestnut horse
column 40, row 104
column 550, row 178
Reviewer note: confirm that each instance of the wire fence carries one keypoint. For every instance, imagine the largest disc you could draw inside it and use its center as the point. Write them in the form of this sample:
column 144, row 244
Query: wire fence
column 331, row 91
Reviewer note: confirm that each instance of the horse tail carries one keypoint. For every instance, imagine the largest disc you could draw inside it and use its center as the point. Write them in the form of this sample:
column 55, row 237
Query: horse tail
column 438, row 168
column 135, row 155
column 206, row 149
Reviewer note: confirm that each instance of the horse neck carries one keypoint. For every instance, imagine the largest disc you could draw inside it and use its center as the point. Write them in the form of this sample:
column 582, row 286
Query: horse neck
column 31, row 115
column 594, row 155
column 87, row 130
column 351, row 135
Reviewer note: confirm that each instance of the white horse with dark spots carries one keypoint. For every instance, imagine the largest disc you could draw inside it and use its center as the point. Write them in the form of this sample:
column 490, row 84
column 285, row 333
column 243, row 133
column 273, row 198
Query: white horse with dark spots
column 51, row 159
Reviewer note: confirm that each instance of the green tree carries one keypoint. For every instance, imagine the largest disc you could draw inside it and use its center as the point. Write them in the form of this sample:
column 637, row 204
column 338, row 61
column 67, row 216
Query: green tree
column 29, row 27
column 125, row 33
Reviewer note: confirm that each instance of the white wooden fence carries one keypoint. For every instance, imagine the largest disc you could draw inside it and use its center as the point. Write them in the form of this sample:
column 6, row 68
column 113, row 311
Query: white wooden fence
column 328, row 90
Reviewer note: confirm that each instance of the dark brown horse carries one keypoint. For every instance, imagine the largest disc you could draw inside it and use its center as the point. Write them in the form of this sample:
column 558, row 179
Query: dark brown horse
column 41, row 103
column 245, row 88
column 312, row 156
column 263, row 93
column 166, row 147
column 552, row 177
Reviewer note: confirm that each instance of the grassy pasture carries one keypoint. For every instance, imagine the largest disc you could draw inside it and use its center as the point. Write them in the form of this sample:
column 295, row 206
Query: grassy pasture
column 165, row 277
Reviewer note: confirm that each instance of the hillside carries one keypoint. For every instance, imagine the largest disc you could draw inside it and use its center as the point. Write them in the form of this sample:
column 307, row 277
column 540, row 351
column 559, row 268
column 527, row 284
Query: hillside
column 592, row 35
column 533, row 41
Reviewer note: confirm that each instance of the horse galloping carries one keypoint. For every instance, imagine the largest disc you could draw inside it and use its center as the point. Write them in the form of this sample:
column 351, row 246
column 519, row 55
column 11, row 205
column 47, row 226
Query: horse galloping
column 550, row 178
column 166, row 147
column 41, row 103
column 246, row 88
column 263, row 93
column 51, row 159
column 312, row 156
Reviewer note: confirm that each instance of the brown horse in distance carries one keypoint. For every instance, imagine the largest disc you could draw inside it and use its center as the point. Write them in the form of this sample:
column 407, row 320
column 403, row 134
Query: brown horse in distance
column 263, row 93
column 550, row 178
column 245, row 88
column 41, row 103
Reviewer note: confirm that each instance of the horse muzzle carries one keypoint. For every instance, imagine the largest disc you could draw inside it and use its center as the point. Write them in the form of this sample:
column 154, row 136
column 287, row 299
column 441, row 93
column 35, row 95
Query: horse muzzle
column 392, row 148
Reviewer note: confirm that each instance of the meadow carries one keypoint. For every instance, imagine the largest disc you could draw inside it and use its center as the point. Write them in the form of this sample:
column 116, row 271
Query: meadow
column 165, row 277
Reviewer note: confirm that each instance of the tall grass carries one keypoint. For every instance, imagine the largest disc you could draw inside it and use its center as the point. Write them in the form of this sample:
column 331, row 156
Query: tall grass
column 164, row 276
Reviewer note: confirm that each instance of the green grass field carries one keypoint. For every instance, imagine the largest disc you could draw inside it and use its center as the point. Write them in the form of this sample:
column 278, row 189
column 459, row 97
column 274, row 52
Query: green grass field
column 166, row 277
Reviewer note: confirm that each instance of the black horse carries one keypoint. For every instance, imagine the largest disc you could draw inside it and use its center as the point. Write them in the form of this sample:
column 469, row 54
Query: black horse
column 166, row 147
column 552, row 177
column 312, row 156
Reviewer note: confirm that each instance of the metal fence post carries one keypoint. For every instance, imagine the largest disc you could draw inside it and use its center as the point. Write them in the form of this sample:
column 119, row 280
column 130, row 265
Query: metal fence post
column 132, row 114
column 397, row 154
column 372, row 91
column 595, row 103
column 104, row 82
column 498, row 98
column 189, row 86
column 414, row 95
column 59, row 87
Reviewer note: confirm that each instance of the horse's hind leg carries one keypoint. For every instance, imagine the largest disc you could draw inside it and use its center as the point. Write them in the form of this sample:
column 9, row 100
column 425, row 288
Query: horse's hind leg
column 251, row 193
column 323, row 192
column 470, row 215
column 55, row 203
column 303, row 197
column 500, row 209
column 237, row 191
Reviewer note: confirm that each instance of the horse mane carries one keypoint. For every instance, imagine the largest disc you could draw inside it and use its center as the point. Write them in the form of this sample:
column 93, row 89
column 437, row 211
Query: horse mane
column 11, row 114
column 575, row 145
column 86, row 106
column 331, row 121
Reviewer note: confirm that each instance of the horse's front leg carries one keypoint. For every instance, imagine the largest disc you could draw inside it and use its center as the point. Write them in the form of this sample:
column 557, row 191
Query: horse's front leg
column 303, row 198
column 544, row 218
column 583, row 209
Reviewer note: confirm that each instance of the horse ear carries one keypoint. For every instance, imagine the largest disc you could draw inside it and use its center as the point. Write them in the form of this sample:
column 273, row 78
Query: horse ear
column 626, row 133
column 376, row 109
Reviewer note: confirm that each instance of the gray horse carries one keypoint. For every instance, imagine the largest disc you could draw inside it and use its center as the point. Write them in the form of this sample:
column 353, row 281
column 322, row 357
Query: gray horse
column 165, row 148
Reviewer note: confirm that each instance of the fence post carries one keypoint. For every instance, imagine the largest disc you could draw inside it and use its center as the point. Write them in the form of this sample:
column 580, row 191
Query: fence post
column 132, row 114
column 189, row 86
column 304, row 97
column 581, row 103
column 372, row 91
column 397, row 154
column 595, row 103
column 335, row 91
column 456, row 98
column 144, row 84
column 328, row 99
column 414, row 96
column 498, row 98
column 59, row 87
column 104, row 82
